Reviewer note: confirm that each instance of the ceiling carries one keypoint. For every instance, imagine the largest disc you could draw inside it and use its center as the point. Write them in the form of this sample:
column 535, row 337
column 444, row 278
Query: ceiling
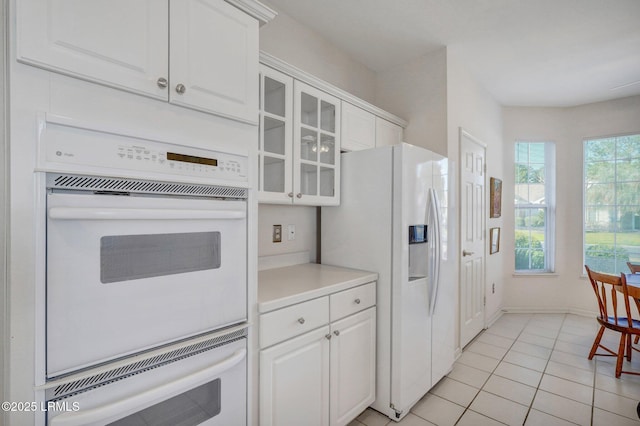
column 525, row 52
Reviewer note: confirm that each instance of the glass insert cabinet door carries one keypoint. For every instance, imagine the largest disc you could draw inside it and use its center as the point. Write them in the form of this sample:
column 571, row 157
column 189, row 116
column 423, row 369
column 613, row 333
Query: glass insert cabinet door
column 275, row 148
column 316, row 146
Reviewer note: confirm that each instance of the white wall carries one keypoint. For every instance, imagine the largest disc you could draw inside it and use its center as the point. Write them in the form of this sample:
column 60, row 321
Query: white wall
column 297, row 45
column 472, row 108
column 305, row 220
column 567, row 127
column 417, row 92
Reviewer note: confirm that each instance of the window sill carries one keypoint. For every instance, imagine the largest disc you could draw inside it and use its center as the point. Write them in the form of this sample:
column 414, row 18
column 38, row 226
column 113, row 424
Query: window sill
column 535, row 274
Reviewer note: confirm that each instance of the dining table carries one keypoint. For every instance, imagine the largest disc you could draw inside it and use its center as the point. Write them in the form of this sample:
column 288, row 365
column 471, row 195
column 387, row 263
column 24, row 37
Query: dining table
column 633, row 285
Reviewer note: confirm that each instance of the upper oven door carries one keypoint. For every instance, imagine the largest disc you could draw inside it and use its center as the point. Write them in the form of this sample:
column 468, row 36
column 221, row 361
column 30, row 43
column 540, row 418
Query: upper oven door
column 127, row 273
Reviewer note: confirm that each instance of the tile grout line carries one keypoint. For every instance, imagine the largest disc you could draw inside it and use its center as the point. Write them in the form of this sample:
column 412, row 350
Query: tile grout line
column 543, row 372
column 491, row 373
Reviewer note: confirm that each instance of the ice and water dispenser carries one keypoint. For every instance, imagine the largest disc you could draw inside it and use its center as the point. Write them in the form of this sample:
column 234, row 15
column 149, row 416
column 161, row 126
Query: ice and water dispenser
column 418, row 252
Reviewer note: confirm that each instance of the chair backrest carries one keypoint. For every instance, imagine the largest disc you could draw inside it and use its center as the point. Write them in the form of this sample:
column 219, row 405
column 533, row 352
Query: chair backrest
column 634, row 267
column 613, row 297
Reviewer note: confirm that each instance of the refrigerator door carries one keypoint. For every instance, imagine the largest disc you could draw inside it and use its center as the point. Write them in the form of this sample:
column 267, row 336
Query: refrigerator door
column 411, row 285
column 445, row 293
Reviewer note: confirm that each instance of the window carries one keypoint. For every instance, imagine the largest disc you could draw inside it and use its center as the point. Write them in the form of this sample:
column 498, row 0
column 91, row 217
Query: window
column 534, row 206
column 612, row 203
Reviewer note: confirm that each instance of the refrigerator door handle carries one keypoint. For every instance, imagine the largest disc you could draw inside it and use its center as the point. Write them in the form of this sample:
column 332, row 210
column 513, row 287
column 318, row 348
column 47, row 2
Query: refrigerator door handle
column 434, row 255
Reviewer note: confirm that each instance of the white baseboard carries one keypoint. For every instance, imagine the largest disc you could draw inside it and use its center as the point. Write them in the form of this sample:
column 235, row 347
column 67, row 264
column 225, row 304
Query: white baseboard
column 543, row 310
column 494, row 318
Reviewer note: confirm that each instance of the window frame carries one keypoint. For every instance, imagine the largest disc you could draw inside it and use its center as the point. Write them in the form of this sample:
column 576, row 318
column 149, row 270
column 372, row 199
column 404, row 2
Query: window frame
column 616, row 205
column 549, row 205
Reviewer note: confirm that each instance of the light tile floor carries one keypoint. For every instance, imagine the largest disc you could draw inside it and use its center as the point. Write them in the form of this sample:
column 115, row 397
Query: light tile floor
column 529, row 369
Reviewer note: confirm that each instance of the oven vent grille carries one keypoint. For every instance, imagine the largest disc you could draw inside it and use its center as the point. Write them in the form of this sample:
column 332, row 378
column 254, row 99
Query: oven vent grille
column 139, row 366
column 95, row 183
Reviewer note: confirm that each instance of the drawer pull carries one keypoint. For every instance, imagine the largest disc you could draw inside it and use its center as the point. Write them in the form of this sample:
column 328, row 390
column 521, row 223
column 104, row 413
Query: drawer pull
column 357, row 301
column 301, row 320
column 328, row 336
column 337, row 332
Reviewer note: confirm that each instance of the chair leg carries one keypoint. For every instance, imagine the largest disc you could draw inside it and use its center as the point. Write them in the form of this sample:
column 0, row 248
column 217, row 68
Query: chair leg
column 623, row 340
column 636, row 340
column 596, row 342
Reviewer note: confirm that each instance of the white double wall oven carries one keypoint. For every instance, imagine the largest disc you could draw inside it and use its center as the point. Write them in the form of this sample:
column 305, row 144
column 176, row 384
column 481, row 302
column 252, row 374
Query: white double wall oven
column 143, row 303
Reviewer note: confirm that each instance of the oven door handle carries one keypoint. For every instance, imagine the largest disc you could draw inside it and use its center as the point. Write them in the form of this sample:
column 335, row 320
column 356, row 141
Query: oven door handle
column 88, row 213
column 130, row 405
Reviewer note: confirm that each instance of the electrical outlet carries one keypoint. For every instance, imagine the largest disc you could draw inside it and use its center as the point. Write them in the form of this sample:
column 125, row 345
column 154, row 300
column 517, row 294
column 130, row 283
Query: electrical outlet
column 277, row 233
column 291, row 235
column 493, row 288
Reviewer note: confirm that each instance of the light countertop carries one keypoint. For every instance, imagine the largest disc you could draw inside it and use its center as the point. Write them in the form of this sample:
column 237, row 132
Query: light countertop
column 286, row 286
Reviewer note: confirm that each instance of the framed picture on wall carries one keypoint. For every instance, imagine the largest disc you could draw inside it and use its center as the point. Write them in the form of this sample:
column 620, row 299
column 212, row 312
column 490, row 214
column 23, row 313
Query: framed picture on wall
column 494, row 237
column 495, row 194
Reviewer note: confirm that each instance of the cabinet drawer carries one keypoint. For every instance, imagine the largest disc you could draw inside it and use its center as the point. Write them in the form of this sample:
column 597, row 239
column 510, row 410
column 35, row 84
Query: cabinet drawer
column 353, row 300
column 293, row 320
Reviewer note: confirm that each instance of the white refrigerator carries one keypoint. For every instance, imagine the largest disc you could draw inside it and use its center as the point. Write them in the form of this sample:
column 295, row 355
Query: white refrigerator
column 394, row 219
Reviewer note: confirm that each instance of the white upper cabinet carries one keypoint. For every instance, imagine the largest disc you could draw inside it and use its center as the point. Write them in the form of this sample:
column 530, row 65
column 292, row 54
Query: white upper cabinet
column 316, row 146
column 214, row 58
column 275, row 149
column 202, row 54
column 299, row 146
column 119, row 43
column 358, row 128
column 387, row 133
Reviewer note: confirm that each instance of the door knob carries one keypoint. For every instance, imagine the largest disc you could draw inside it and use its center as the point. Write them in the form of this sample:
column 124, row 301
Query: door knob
column 181, row 88
column 162, row 82
column 467, row 253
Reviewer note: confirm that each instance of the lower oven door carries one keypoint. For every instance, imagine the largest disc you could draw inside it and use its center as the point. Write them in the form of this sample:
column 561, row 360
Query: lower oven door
column 204, row 389
column 129, row 273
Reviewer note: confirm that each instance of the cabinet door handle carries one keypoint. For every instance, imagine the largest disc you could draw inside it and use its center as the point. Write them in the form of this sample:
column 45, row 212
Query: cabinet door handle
column 357, row 301
column 181, row 88
column 301, row 320
column 299, row 195
column 337, row 332
column 290, row 195
column 328, row 336
column 162, row 82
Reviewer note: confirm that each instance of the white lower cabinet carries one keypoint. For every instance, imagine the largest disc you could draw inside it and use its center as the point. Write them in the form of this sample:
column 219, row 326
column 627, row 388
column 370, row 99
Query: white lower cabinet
column 294, row 381
column 352, row 383
column 325, row 376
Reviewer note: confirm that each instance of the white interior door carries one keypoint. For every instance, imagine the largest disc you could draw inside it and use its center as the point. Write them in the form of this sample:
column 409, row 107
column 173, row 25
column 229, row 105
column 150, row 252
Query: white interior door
column 472, row 237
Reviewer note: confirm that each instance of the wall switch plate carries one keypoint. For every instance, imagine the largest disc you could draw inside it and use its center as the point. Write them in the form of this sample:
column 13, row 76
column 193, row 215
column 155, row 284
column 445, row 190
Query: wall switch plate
column 277, row 233
column 291, row 234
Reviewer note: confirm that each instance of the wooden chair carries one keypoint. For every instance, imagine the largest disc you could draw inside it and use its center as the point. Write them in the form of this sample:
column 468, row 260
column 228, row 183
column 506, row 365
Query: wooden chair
column 634, row 267
column 615, row 311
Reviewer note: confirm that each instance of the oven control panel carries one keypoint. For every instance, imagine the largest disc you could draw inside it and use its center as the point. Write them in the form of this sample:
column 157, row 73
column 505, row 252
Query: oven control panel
column 93, row 152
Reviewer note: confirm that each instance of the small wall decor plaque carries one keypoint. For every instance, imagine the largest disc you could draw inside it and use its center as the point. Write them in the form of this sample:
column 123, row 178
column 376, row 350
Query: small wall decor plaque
column 495, row 194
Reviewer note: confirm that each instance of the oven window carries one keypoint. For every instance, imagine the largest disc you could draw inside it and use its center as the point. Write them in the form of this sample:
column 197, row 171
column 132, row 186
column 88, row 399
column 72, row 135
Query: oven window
column 188, row 409
column 131, row 257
